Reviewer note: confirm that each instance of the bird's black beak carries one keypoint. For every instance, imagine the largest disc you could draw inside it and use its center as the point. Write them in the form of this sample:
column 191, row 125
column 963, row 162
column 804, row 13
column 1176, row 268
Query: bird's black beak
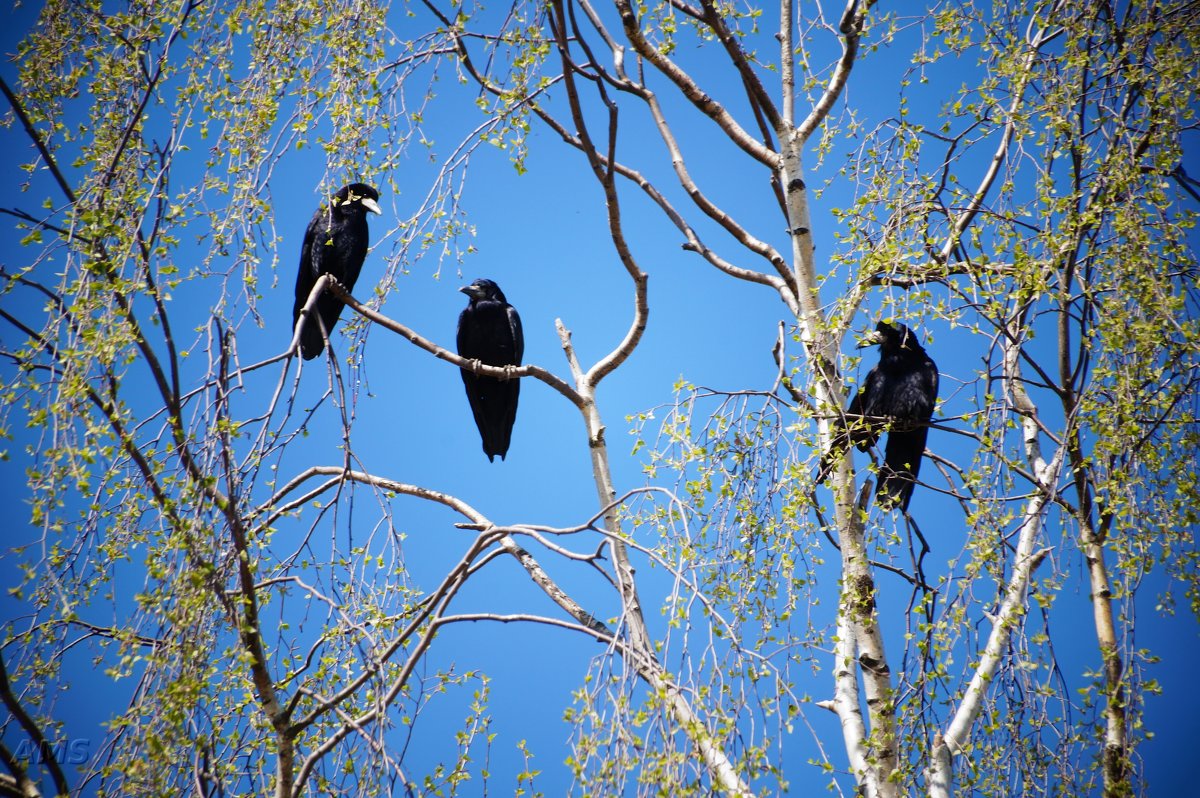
column 472, row 290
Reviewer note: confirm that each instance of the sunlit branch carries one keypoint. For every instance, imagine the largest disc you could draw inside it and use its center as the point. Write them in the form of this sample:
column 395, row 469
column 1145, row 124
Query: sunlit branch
column 42, row 224
column 445, row 592
column 247, row 625
column 851, row 26
column 710, row 608
column 693, row 242
column 719, row 216
column 756, row 93
column 954, row 739
column 147, row 252
column 146, row 471
column 688, row 87
column 601, row 634
column 701, row 200
column 38, row 141
column 846, row 704
column 17, row 785
column 1024, row 74
column 31, row 728
column 536, row 572
column 604, row 176
column 499, row 372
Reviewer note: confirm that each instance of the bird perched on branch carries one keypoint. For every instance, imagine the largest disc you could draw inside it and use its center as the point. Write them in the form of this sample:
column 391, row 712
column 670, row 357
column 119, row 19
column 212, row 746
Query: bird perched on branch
column 489, row 330
column 336, row 244
column 898, row 396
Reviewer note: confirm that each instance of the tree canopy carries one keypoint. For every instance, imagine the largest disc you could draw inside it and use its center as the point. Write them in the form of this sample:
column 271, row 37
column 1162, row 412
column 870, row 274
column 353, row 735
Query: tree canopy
column 232, row 572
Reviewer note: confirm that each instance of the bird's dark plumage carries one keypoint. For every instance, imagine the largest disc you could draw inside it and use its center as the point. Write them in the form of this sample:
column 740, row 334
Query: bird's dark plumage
column 489, row 330
column 898, row 396
column 335, row 243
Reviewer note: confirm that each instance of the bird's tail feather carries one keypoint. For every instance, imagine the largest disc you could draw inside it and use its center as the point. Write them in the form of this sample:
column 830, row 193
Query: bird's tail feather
column 902, row 463
column 895, row 489
column 311, row 342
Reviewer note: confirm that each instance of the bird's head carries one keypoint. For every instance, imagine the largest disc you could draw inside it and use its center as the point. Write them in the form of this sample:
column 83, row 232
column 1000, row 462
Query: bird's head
column 357, row 197
column 892, row 339
column 484, row 289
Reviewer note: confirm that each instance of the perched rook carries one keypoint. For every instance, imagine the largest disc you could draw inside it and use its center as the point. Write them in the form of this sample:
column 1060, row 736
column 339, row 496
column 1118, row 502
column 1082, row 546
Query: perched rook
column 898, row 396
column 336, row 244
column 489, row 330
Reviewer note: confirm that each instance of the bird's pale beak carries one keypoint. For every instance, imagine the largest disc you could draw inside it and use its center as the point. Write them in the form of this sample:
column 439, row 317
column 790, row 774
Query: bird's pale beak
column 471, row 291
column 873, row 339
column 372, row 205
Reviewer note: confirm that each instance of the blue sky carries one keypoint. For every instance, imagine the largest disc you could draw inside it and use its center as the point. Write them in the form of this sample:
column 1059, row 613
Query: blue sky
column 540, row 236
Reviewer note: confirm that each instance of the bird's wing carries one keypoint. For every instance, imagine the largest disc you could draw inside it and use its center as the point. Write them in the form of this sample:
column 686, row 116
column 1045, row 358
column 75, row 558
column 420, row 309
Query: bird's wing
column 931, row 382
column 865, row 404
column 512, row 388
column 842, row 436
column 914, row 400
column 311, row 340
column 468, row 345
column 305, row 273
column 352, row 246
column 518, row 336
column 855, row 408
column 462, row 338
column 338, row 250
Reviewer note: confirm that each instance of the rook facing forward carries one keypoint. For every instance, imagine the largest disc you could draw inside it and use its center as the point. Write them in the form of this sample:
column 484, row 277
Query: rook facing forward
column 336, row 244
column 489, row 330
column 898, row 396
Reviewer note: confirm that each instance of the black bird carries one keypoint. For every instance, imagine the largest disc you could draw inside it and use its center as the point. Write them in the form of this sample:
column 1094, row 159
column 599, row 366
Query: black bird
column 489, row 330
column 898, row 396
column 335, row 243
